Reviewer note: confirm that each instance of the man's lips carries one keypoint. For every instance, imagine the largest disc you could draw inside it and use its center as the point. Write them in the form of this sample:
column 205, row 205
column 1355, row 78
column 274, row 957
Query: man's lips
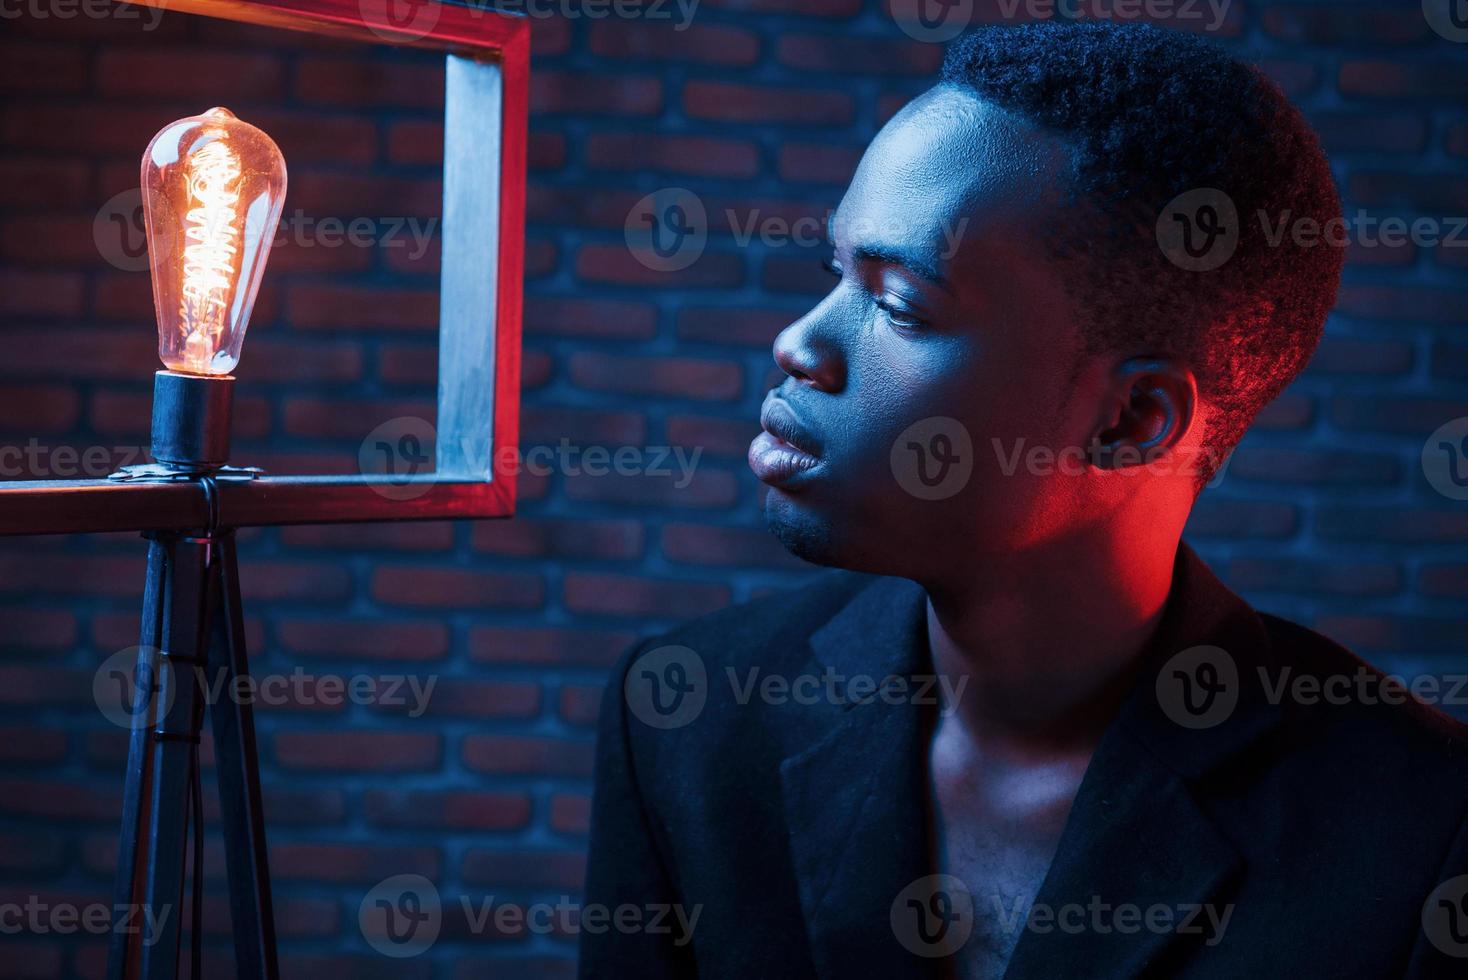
column 786, row 450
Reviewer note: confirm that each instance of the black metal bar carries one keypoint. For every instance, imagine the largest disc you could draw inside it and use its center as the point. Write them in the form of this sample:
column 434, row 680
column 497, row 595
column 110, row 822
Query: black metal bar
column 155, row 835
column 238, row 770
column 136, row 783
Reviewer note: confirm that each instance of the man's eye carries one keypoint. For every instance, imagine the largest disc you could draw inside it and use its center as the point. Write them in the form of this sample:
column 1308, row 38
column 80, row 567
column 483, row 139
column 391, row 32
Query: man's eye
column 830, row 266
column 901, row 318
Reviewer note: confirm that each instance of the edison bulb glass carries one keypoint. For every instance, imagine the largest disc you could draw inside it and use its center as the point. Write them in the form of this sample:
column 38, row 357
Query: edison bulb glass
column 213, row 188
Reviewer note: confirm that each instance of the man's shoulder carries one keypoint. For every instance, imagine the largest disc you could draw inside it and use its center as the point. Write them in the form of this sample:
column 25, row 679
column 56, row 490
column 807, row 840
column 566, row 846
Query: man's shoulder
column 1395, row 722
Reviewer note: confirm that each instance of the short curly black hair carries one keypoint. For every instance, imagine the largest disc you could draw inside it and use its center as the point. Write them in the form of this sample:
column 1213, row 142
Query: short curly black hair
column 1150, row 114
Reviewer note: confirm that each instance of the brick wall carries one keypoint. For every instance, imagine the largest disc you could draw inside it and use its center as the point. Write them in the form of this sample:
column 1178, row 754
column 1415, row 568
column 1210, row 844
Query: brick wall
column 761, row 108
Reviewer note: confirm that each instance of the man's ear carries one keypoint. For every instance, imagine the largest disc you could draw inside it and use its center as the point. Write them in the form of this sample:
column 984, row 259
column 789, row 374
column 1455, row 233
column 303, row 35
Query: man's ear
column 1150, row 403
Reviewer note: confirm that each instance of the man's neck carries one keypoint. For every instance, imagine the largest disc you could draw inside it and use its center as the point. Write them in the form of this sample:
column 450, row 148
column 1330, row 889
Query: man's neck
column 1046, row 643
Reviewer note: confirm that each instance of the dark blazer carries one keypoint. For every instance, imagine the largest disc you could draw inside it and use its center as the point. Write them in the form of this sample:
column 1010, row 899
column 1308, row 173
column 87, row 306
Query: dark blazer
column 1332, row 832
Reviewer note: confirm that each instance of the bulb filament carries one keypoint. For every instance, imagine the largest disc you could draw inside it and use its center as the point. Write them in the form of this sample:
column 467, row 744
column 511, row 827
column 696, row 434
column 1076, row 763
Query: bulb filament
column 212, row 235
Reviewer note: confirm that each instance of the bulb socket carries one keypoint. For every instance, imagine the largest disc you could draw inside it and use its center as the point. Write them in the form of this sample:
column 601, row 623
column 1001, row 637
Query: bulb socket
column 191, row 415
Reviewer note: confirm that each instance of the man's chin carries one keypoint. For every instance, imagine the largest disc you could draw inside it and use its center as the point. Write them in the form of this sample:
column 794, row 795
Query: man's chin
column 806, row 535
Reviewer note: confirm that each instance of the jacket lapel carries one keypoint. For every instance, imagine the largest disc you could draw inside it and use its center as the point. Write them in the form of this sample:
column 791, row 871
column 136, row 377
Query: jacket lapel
column 856, row 793
column 855, row 788
column 1139, row 833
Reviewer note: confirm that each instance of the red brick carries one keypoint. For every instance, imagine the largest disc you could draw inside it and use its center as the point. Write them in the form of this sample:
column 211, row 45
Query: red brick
column 699, row 544
column 457, row 697
column 685, row 483
column 629, row 595
column 802, row 8
column 611, row 319
column 1330, row 467
column 562, row 92
column 853, row 54
column 348, row 418
column 818, row 163
column 403, row 536
column 358, row 82
column 701, row 156
column 28, row 183
column 1306, row 25
column 1367, row 522
column 325, row 861
column 1264, row 519
column 580, row 704
column 1399, row 414
column 59, row 799
column 514, row 869
column 530, row 538
column 50, row 294
column 453, row 810
column 737, row 103
column 1449, row 580
column 358, row 751
column 527, row 755
column 729, row 438
column 374, row 639
column 570, row 813
column 1399, row 302
column 356, row 308
column 616, row 264
column 665, row 376
column 710, row 44
column 550, row 425
column 409, row 585
column 35, row 410
column 34, row 67
column 547, row 646
column 163, row 71
column 1397, row 79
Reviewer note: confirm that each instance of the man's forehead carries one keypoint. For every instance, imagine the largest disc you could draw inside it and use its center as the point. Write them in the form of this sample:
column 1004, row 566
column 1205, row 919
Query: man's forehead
column 946, row 166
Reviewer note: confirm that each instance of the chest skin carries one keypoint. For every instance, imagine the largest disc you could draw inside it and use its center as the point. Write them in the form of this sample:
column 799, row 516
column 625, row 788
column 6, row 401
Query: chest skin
column 998, row 816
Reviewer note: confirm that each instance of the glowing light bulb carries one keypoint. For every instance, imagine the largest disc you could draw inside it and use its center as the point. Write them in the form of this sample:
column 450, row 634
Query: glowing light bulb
column 213, row 187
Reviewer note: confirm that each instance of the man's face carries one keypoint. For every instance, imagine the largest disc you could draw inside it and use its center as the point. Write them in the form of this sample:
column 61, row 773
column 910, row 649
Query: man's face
column 946, row 307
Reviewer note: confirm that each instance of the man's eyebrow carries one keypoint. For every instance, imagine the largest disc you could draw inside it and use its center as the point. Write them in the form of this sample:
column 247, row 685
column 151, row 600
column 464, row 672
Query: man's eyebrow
column 893, row 256
column 908, row 260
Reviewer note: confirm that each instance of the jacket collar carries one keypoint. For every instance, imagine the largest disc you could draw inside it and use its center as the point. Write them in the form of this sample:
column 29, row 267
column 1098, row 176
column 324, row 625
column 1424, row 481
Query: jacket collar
column 856, row 789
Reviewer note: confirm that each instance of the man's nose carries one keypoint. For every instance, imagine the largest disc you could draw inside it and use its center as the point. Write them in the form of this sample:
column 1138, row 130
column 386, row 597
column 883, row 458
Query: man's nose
column 808, row 351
